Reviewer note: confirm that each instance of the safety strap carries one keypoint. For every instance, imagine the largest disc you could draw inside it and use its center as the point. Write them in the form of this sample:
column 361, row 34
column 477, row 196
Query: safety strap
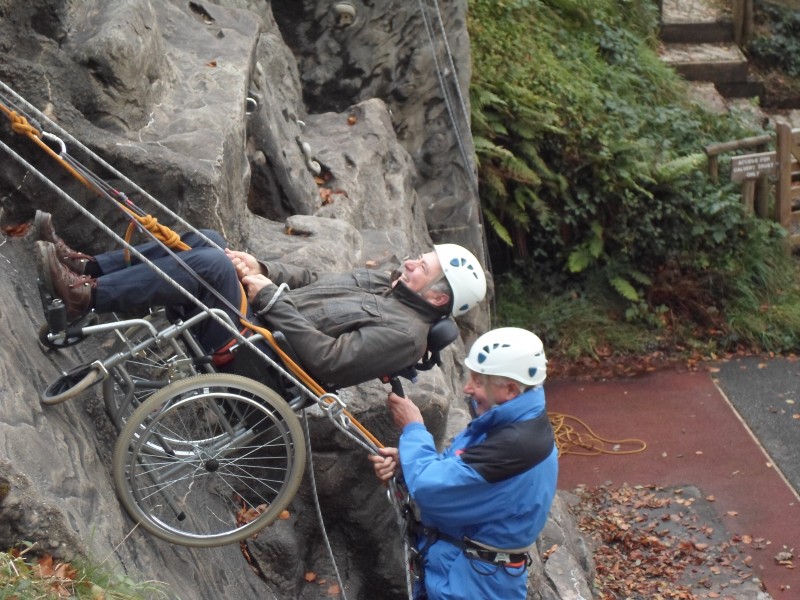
column 517, row 558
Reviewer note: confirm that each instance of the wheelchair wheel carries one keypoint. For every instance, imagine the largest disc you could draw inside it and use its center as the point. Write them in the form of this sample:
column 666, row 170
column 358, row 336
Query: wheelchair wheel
column 131, row 382
column 71, row 384
column 209, row 460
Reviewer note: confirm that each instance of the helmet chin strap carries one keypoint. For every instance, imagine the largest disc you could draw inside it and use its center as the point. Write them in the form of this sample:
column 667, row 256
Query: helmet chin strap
column 430, row 284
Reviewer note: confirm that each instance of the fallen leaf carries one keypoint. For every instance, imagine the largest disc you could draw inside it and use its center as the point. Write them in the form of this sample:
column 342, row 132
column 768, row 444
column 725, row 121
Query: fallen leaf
column 352, row 120
column 284, row 515
column 310, row 576
column 334, row 590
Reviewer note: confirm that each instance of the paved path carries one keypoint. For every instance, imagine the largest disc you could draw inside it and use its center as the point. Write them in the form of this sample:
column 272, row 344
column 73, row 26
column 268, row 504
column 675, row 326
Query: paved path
column 695, row 437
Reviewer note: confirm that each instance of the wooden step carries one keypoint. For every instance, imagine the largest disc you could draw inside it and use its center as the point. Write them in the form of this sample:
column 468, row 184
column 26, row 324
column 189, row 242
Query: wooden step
column 719, row 63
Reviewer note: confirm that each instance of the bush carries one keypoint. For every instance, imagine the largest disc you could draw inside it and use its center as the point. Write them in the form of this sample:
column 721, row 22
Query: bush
column 593, row 177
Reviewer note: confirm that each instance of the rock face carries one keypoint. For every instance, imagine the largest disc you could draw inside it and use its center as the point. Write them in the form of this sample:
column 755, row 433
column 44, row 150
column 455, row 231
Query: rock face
column 303, row 136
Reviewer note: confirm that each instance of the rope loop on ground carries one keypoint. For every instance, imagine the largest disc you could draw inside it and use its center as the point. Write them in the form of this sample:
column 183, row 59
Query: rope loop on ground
column 574, row 436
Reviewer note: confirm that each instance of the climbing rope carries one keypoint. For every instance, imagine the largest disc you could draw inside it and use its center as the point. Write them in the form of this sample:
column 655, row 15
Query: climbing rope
column 24, row 125
column 318, row 508
column 442, row 74
column 333, row 407
column 463, row 119
column 573, row 436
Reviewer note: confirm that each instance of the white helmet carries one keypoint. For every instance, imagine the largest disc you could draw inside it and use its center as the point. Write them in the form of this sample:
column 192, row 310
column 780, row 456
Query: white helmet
column 509, row 352
column 464, row 274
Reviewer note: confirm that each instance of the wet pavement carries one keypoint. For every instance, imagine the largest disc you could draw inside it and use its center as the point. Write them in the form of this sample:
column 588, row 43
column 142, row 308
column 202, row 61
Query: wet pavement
column 742, row 464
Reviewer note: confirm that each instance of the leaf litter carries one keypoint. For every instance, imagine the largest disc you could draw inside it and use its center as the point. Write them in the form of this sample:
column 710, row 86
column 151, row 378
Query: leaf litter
column 665, row 543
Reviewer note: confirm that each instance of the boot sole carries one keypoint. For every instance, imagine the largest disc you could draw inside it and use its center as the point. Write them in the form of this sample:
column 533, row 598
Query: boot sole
column 38, row 224
column 42, row 256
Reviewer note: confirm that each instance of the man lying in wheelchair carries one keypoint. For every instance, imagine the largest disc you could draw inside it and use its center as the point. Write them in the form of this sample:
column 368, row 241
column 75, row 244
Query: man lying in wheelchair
column 344, row 328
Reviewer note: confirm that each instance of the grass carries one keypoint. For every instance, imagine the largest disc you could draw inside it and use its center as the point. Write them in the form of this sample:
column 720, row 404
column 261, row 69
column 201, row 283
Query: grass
column 24, row 576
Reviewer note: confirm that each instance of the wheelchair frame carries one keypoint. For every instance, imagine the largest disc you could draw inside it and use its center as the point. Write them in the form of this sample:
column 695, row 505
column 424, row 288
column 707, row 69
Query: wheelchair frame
column 203, row 458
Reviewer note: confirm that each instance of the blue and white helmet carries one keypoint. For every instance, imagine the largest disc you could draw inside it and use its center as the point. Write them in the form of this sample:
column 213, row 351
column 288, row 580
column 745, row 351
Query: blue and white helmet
column 509, row 352
column 464, row 274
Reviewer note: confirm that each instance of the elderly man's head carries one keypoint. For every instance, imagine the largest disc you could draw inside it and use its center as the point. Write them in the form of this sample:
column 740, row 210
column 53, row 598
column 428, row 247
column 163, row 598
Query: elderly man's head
column 503, row 364
column 449, row 276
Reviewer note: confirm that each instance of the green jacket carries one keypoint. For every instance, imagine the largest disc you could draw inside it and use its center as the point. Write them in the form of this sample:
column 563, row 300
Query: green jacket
column 346, row 328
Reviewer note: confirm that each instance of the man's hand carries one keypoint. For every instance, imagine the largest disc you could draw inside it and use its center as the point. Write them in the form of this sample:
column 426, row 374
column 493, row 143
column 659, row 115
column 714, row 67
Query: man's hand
column 387, row 464
column 243, row 261
column 403, row 410
column 249, row 272
column 254, row 284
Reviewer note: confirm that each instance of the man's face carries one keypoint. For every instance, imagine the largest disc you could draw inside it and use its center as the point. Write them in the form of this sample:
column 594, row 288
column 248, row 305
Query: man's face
column 488, row 392
column 476, row 389
column 418, row 273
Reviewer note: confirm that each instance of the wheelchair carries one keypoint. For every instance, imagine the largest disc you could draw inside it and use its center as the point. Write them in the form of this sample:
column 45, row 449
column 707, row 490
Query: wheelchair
column 204, row 458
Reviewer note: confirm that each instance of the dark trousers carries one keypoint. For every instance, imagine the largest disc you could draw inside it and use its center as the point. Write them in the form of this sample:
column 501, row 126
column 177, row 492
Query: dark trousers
column 123, row 288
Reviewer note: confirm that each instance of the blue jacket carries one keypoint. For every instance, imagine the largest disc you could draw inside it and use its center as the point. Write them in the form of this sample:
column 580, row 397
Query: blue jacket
column 494, row 485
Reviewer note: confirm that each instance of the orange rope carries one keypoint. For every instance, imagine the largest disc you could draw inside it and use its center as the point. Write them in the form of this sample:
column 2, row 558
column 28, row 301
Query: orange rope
column 20, row 125
column 587, row 443
column 162, row 232
column 298, row 372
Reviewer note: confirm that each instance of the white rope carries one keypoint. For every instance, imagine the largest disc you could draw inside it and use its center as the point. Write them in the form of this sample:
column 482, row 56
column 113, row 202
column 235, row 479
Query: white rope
column 440, row 74
column 472, row 175
column 75, row 142
column 317, row 505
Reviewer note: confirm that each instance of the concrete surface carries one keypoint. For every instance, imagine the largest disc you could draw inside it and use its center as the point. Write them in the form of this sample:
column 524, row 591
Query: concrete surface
column 695, row 437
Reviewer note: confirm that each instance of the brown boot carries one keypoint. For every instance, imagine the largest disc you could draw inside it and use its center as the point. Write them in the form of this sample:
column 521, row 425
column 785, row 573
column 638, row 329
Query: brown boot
column 73, row 289
column 43, row 229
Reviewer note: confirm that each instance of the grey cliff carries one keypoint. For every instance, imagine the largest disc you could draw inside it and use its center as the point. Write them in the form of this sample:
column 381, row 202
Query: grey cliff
column 302, row 133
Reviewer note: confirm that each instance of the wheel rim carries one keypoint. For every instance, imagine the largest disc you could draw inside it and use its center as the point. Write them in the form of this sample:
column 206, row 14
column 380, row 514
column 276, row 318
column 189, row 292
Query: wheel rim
column 210, row 465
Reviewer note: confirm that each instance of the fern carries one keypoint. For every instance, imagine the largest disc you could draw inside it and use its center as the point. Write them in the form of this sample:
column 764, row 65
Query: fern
column 680, row 167
column 624, row 288
column 498, row 228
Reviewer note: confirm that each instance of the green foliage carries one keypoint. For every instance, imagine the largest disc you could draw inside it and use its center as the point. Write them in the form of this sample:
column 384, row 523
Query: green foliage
column 781, row 46
column 593, row 178
column 22, row 578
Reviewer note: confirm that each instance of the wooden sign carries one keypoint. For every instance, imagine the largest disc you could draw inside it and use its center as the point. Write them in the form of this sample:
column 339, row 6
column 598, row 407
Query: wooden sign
column 752, row 166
